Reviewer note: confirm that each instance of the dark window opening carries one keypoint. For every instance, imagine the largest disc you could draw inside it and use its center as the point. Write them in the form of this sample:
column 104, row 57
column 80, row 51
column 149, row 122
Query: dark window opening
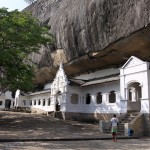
column 13, row 94
column 74, row 98
column 99, row 98
column 49, row 102
column 44, row 102
column 112, row 97
column 39, row 102
column 88, row 99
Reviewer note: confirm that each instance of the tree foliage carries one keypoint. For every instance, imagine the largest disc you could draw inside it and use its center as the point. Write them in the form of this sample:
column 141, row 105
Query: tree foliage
column 20, row 35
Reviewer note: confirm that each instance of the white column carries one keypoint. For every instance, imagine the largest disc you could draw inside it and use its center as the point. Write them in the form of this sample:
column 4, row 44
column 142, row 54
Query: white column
column 145, row 103
column 46, row 102
column 32, row 102
column 117, row 96
column 37, row 102
column 124, row 96
column 41, row 102
column 94, row 98
column 107, row 97
column 133, row 91
column 145, row 106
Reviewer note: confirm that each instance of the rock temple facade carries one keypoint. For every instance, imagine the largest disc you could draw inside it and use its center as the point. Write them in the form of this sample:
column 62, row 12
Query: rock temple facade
column 93, row 96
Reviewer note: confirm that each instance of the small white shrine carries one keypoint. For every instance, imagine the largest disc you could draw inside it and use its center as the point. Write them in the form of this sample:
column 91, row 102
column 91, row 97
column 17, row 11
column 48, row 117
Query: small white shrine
column 135, row 86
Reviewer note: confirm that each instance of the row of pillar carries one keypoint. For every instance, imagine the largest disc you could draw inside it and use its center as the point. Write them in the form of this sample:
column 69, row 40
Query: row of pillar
column 43, row 102
column 93, row 97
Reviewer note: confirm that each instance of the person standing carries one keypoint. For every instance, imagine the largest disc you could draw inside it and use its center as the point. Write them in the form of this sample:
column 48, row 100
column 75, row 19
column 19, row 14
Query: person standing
column 114, row 125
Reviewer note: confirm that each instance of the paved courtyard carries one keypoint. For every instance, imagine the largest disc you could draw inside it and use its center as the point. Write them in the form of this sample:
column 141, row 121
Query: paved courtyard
column 134, row 144
column 31, row 126
column 39, row 132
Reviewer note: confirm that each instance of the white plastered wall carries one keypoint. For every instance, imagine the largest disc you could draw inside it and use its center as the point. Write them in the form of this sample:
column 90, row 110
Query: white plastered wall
column 59, row 89
column 135, row 71
column 93, row 107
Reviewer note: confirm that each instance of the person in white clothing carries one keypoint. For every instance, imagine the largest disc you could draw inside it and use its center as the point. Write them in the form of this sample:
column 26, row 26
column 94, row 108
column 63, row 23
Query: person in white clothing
column 114, row 125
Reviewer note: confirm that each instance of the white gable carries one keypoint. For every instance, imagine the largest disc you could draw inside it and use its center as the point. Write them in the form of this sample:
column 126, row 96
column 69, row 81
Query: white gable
column 60, row 81
column 132, row 61
column 60, row 73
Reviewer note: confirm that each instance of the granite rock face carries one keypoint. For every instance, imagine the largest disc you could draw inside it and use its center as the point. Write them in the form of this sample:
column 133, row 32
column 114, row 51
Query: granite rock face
column 87, row 29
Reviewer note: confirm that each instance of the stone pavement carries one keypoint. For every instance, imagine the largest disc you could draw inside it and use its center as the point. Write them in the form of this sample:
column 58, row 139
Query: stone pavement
column 128, row 144
column 20, row 131
column 31, row 127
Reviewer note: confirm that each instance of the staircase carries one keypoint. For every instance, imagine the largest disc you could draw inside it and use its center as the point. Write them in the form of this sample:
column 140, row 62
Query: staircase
column 127, row 119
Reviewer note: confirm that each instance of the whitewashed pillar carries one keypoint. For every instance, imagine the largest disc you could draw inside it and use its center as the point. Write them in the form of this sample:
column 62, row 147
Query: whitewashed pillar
column 32, row 102
column 46, row 102
column 94, row 98
column 37, row 102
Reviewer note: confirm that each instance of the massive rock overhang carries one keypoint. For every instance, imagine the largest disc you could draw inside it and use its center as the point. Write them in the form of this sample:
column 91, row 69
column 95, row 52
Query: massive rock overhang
column 114, row 55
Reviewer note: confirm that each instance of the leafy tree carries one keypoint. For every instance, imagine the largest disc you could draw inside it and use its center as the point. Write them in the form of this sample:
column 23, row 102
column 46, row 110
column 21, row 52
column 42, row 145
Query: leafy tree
column 20, row 35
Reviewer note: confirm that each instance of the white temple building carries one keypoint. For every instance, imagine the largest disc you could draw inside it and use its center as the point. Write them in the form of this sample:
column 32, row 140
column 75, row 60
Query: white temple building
column 106, row 91
column 94, row 96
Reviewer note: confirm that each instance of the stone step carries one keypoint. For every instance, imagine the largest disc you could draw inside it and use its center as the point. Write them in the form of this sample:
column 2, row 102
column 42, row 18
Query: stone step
column 128, row 118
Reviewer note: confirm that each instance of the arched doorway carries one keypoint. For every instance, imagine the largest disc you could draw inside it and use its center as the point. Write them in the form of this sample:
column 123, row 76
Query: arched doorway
column 58, row 99
column 7, row 103
column 134, row 96
column 57, row 106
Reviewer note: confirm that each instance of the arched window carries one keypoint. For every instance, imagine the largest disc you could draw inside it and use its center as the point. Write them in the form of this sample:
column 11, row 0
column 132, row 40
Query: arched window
column 24, row 102
column 88, row 99
column 34, row 102
column 99, row 98
column 74, row 98
column 49, row 102
column 134, row 92
column 112, row 97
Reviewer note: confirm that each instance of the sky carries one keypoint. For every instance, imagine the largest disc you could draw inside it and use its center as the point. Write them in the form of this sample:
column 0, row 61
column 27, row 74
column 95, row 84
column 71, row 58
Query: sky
column 13, row 4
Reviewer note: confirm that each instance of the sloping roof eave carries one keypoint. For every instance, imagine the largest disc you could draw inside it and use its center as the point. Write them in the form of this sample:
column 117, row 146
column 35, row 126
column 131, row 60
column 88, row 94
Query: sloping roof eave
column 111, row 79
